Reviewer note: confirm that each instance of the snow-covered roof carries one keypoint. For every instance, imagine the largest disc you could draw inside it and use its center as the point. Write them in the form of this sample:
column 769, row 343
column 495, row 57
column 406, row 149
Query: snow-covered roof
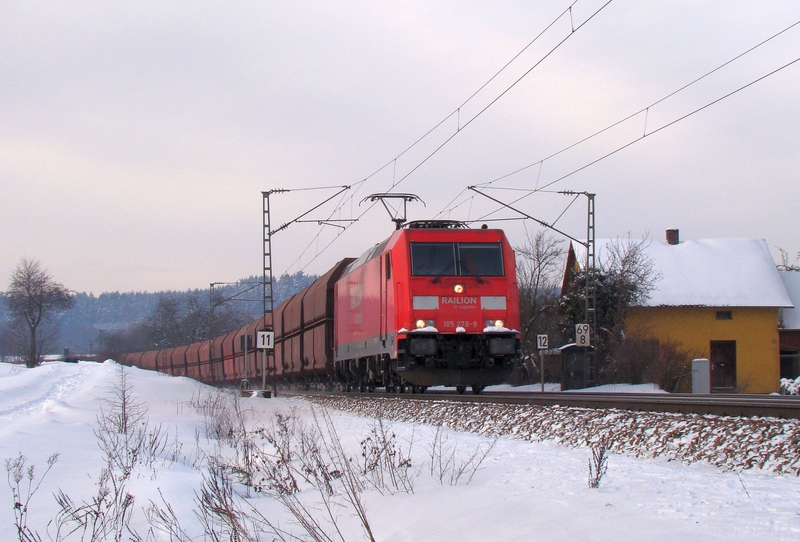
column 791, row 280
column 708, row 273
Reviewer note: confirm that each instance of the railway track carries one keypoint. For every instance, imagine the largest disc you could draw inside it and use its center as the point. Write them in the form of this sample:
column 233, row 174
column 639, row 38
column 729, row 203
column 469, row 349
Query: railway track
column 779, row 406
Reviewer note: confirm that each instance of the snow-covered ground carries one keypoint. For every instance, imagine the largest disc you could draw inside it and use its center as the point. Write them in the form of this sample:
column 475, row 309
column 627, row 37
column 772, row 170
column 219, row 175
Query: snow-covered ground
column 523, row 490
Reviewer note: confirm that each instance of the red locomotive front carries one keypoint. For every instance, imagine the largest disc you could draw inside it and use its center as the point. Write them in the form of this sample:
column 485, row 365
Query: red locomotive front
column 435, row 304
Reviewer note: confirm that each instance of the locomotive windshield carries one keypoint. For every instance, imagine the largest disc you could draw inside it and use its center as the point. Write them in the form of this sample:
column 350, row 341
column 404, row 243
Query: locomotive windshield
column 481, row 259
column 433, row 259
column 453, row 259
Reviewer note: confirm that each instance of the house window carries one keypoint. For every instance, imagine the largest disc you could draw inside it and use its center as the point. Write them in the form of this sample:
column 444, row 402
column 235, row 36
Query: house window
column 790, row 364
column 724, row 315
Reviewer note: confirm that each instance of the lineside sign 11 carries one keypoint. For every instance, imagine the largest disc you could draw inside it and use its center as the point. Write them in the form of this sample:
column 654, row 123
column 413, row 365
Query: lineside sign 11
column 265, row 340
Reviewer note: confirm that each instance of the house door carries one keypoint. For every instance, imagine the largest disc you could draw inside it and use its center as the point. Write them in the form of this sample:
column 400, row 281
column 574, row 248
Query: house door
column 723, row 366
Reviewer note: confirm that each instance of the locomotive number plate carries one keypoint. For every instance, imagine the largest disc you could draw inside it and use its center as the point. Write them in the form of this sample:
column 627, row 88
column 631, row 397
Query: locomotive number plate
column 466, row 324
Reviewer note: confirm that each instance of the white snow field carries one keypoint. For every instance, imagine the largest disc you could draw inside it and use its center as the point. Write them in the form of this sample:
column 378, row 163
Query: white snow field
column 522, row 490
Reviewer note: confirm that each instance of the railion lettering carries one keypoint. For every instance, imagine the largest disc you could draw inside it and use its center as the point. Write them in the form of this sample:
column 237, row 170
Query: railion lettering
column 459, row 301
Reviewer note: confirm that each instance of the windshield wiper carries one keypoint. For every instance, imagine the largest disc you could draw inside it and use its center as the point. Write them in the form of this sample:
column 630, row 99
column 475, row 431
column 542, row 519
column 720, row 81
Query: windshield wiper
column 477, row 277
column 471, row 270
column 438, row 277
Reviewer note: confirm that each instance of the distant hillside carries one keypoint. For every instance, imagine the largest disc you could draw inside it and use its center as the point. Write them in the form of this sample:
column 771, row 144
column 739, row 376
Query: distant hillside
column 113, row 311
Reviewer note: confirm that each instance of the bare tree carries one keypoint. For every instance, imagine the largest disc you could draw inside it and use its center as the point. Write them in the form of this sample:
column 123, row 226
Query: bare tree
column 165, row 323
column 624, row 279
column 539, row 273
column 34, row 300
column 786, row 264
column 627, row 259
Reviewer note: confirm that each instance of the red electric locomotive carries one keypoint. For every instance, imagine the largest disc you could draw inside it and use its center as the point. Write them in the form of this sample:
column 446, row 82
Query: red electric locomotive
column 434, row 304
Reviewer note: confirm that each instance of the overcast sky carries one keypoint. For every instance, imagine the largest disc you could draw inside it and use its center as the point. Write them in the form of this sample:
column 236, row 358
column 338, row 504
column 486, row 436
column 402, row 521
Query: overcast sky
column 136, row 137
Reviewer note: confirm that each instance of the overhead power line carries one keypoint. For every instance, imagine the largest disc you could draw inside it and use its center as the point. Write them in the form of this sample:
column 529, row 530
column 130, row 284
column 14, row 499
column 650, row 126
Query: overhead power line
column 459, row 128
column 357, row 185
column 449, row 207
column 667, row 125
column 457, row 110
column 647, row 108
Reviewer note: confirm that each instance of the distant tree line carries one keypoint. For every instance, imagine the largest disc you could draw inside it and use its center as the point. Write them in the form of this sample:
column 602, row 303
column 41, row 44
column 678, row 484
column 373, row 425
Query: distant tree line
column 114, row 322
column 180, row 318
column 176, row 320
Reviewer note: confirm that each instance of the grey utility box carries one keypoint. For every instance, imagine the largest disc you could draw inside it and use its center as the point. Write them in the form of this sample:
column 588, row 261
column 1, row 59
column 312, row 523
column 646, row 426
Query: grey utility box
column 701, row 376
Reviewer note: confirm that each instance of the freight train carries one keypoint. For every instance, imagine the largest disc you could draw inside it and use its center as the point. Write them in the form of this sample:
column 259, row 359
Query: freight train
column 435, row 304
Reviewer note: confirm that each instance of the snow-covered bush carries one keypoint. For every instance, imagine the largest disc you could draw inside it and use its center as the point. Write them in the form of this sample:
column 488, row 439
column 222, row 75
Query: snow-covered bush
column 790, row 386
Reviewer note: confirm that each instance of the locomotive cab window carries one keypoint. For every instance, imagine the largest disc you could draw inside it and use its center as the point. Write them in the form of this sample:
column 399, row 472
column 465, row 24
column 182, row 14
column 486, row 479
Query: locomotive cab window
column 481, row 259
column 454, row 259
column 433, row 259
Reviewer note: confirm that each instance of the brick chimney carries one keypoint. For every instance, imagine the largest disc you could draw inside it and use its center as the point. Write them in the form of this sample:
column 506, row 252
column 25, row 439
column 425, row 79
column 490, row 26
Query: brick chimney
column 673, row 237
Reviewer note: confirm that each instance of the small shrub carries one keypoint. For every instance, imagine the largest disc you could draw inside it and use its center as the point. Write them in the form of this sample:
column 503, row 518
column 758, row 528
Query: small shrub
column 790, row 386
column 219, row 513
column 301, row 457
column 673, row 368
column 219, row 411
column 126, row 439
column 385, row 465
column 598, row 464
column 16, row 473
column 106, row 517
column 448, row 466
column 166, row 521
column 123, row 431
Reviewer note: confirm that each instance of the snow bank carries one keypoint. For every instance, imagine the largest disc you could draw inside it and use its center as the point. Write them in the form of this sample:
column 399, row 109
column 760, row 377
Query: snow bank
column 526, row 489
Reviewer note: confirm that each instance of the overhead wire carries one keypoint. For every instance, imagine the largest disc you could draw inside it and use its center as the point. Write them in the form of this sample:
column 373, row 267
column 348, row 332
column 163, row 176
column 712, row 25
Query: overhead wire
column 574, row 29
column 648, row 107
column 460, row 127
column 645, row 110
column 457, row 112
column 503, row 93
column 530, row 192
column 675, row 121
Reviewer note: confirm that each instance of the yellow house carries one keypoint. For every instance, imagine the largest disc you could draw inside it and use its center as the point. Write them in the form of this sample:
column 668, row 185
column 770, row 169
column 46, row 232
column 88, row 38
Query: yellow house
column 718, row 299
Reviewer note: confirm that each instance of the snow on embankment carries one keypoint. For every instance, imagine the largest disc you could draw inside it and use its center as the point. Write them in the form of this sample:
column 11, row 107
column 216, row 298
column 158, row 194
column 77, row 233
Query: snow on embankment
column 737, row 443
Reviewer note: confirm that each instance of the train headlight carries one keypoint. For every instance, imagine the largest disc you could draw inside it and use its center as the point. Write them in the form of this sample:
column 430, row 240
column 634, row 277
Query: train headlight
column 422, row 346
column 495, row 323
column 424, row 323
column 504, row 346
column 458, row 288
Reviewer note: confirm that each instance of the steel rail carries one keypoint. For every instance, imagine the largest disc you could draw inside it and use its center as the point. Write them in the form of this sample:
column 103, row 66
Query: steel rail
column 778, row 406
